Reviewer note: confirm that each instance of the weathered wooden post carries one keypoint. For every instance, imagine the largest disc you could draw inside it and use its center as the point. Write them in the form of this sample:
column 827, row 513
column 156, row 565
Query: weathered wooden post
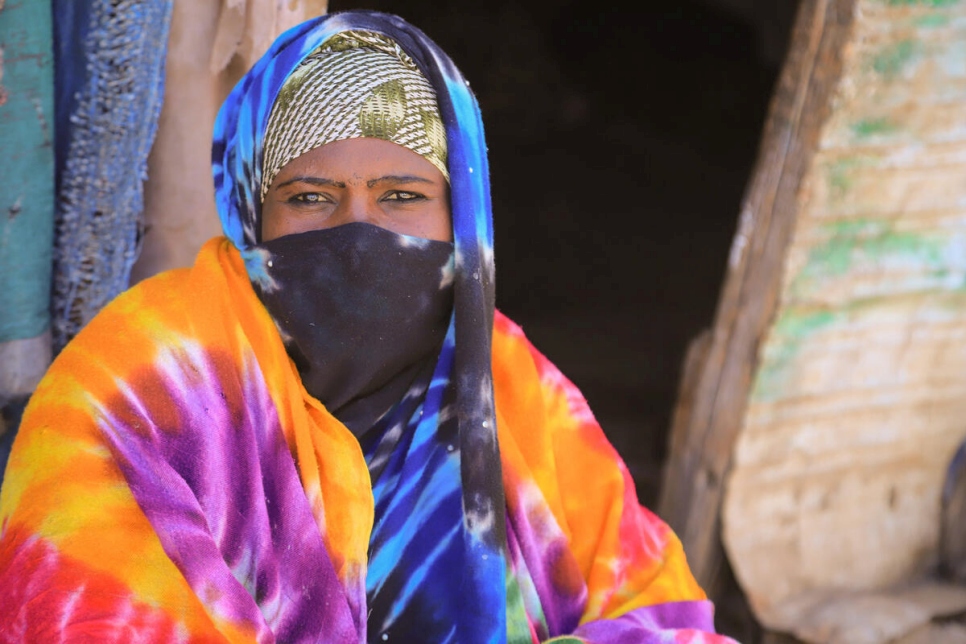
column 831, row 396
column 720, row 366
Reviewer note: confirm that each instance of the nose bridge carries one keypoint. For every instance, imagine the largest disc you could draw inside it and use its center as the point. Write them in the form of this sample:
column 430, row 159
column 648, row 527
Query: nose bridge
column 356, row 206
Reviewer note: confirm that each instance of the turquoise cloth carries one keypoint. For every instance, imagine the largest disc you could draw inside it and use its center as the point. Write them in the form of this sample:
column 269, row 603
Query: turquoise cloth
column 26, row 168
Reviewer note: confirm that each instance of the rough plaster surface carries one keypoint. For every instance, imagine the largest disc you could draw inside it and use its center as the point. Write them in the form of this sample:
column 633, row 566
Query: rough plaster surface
column 859, row 397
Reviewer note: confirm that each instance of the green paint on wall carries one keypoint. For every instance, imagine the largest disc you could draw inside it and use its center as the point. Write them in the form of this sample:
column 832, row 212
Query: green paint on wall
column 794, row 328
column 921, row 3
column 873, row 127
column 866, row 241
column 840, row 175
column 894, row 58
column 931, row 21
column 797, row 326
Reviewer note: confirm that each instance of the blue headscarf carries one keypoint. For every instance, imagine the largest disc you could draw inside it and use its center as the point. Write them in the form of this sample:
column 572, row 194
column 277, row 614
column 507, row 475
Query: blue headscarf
column 440, row 524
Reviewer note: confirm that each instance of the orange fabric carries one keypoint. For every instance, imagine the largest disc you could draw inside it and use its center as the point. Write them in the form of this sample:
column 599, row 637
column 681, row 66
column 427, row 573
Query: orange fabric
column 628, row 557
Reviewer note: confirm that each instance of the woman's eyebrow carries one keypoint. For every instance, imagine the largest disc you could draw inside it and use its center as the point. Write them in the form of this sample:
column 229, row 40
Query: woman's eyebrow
column 313, row 181
column 397, row 178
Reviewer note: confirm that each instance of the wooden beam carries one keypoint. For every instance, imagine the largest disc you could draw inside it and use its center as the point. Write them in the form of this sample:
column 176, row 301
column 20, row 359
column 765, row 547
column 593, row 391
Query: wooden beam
column 703, row 436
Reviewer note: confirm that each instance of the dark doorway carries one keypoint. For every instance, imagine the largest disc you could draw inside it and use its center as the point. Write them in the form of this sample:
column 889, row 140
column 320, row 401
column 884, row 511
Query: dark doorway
column 620, row 145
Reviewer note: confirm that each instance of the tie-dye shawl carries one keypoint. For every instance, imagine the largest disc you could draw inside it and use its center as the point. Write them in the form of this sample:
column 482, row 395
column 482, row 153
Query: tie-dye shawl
column 173, row 481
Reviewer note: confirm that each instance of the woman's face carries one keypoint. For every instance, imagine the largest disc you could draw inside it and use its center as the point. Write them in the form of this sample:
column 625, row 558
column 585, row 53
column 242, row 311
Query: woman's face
column 359, row 180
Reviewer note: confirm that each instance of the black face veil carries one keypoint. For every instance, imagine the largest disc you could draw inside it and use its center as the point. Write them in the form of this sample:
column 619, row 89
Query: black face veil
column 361, row 310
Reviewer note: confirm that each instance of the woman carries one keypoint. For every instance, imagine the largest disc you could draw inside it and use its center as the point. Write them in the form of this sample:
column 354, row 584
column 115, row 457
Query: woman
column 322, row 431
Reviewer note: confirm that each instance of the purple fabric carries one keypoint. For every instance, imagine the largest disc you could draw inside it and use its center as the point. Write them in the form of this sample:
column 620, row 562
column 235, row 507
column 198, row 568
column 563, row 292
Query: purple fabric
column 660, row 624
column 539, row 553
column 202, row 449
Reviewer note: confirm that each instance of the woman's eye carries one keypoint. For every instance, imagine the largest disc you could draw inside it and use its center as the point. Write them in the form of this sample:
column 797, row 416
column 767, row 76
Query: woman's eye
column 402, row 195
column 308, row 198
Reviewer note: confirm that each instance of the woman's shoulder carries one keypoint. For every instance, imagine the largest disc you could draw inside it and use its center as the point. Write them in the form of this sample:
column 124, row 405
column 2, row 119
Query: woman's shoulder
column 528, row 384
column 165, row 309
column 515, row 357
column 513, row 354
column 510, row 342
column 156, row 300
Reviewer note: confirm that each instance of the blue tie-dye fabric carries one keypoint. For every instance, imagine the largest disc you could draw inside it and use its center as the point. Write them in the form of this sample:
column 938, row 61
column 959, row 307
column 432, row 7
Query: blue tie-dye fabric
column 413, row 587
column 437, row 566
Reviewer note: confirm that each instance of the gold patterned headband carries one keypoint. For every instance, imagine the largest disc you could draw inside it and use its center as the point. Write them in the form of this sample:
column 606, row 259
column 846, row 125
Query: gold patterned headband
column 356, row 84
